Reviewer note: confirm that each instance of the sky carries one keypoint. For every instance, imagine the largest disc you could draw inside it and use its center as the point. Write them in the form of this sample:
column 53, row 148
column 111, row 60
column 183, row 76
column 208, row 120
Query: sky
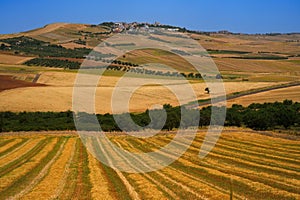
column 245, row 16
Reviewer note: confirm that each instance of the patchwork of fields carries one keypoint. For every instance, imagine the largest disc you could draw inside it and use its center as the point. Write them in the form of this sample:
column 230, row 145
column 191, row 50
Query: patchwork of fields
column 60, row 84
column 56, row 165
column 244, row 164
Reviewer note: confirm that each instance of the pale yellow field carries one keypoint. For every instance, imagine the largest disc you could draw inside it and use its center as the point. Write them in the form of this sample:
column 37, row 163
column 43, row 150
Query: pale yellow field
column 12, row 59
column 291, row 93
column 57, row 96
column 72, row 45
column 261, row 66
column 250, row 43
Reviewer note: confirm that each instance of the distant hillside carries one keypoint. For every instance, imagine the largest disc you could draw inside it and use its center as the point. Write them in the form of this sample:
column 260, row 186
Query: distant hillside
column 72, row 42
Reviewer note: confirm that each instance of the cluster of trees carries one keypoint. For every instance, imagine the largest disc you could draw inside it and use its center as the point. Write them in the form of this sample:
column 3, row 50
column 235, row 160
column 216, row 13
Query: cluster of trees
column 265, row 116
column 49, row 62
column 36, row 121
column 40, row 48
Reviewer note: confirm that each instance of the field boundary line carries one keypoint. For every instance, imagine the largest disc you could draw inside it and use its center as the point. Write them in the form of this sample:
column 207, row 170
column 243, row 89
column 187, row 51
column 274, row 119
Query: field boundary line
column 134, row 195
column 165, row 177
column 221, row 190
column 167, row 190
column 62, row 183
column 41, row 174
column 220, row 169
column 14, row 149
column 20, row 161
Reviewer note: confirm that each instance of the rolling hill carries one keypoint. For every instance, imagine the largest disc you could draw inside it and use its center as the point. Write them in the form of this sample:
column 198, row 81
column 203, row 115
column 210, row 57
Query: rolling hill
column 51, row 54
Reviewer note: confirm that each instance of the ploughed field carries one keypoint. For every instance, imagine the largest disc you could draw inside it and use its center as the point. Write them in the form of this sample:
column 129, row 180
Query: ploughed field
column 56, row 165
column 8, row 83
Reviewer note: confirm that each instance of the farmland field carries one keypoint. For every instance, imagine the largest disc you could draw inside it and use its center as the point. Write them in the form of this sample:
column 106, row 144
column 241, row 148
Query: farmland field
column 244, row 164
column 292, row 93
column 60, row 84
column 13, row 59
column 56, row 165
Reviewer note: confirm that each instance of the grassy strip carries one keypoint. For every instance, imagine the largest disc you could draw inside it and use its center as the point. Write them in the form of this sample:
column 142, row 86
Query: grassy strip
column 259, row 147
column 146, row 187
column 70, row 185
column 217, row 179
column 21, row 183
column 23, row 159
column 83, row 186
column 244, row 163
column 277, row 141
column 183, row 190
column 254, row 159
column 151, row 182
column 78, row 183
column 243, row 173
column 245, row 149
column 40, row 176
column 117, row 186
column 101, row 188
column 258, row 158
column 238, row 164
column 51, row 175
column 176, row 188
column 239, row 186
column 156, row 182
column 4, row 142
column 18, row 152
column 14, row 147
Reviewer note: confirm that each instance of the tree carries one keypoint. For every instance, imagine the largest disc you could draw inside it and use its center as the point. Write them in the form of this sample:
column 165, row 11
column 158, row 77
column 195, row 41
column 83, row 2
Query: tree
column 234, row 115
column 207, row 90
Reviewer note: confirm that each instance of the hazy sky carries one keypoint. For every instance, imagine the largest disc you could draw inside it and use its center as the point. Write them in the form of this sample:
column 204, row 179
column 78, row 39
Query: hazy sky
column 248, row 16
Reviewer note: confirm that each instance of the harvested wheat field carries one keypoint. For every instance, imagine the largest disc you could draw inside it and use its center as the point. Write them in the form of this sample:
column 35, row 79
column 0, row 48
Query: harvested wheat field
column 57, row 95
column 291, row 93
column 56, row 165
column 13, row 59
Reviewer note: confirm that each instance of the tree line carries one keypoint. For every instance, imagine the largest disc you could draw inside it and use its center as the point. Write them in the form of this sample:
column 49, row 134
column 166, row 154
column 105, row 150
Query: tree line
column 117, row 65
column 51, row 62
column 267, row 116
column 31, row 46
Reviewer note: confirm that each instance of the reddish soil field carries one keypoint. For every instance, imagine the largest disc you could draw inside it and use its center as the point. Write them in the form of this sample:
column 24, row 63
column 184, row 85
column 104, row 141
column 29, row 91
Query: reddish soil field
column 7, row 82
